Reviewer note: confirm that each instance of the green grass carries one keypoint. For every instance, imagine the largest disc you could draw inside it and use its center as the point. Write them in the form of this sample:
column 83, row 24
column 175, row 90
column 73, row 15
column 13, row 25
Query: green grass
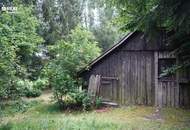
column 45, row 116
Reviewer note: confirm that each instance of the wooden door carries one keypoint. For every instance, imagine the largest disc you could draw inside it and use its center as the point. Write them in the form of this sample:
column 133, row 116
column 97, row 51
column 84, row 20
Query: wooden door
column 108, row 88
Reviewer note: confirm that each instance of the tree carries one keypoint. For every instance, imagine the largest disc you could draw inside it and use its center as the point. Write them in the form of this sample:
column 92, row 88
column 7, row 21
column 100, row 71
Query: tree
column 58, row 18
column 18, row 43
column 72, row 54
column 152, row 15
column 98, row 18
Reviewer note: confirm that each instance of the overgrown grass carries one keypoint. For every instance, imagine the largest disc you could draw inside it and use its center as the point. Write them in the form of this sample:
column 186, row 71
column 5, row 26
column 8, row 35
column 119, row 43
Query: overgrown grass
column 12, row 107
column 48, row 117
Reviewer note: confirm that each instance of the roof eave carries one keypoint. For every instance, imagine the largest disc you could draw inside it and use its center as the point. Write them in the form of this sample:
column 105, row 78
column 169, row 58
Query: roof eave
column 86, row 68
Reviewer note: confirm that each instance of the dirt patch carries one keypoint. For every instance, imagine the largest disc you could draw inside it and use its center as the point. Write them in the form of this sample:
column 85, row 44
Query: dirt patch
column 104, row 109
column 156, row 116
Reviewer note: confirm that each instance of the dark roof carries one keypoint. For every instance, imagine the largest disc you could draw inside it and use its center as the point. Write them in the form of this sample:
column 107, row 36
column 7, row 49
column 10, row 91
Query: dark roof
column 108, row 51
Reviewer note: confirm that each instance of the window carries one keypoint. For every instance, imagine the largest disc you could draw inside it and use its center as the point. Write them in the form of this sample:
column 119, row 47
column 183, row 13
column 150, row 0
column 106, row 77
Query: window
column 163, row 65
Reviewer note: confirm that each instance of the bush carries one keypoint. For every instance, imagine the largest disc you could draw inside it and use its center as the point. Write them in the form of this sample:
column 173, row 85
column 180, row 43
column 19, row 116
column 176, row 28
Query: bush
column 87, row 103
column 63, row 84
column 41, row 83
column 31, row 92
column 28, row 89
column 79, row 100
column 79, row 96
column 98, row 102
column 84, row 100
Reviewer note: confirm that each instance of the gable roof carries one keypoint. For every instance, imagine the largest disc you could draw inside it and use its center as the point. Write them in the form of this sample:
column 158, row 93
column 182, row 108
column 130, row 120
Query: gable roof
column 108, row 51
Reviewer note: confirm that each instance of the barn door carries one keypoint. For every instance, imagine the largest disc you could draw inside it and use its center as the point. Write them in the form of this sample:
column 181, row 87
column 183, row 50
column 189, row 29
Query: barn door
column 108, row 88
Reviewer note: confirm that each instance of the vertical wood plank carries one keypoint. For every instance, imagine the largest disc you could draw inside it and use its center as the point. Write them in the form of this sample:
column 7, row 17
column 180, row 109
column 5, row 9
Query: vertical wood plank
column 156, row 77
column 139, row 78
column 136, row 78
column 168, row 95
column 164, row 94
column 177, row 84
column 123, row 83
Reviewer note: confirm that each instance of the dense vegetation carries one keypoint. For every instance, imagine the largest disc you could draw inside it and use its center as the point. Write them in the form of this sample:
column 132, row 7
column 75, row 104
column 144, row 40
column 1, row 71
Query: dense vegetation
column 18, row 44
column 71, row 55
column 43, row 45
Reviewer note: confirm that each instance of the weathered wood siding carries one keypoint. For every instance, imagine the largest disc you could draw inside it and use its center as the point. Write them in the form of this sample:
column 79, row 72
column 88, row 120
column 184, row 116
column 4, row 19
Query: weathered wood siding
column 166, row 91
column 184, row 95
column 135, row 64
column 139, row 42
column 137, row 78
column 135, row 73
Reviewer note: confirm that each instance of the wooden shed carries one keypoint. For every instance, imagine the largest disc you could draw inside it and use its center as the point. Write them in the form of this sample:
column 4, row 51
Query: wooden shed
column 130, row 73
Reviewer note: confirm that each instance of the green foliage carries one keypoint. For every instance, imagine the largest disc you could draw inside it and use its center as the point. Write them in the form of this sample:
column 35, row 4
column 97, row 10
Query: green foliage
column 18, row 106
column 31, row 92
column 41, row 84
column 79, row 96
column 59, row 18
column 31, row 88
column 106, row 35
column 83, row 100
column 151, row 16
column 87, row 103
column 62, row 85
column 70, row 55
column 170, row 71
column 18, row 42
column 98, row 18
column 98, row 102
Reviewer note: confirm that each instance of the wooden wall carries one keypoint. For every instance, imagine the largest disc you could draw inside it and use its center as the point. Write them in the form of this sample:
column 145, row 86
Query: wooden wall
column 134, row 70
column 135, row 65
column 137, row 78
column 166, row 91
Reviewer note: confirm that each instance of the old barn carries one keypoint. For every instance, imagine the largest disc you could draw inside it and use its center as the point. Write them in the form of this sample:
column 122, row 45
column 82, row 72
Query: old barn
column 130, row 73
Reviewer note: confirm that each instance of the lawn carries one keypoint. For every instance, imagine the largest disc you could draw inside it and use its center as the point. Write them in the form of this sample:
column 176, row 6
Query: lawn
column 43, row 115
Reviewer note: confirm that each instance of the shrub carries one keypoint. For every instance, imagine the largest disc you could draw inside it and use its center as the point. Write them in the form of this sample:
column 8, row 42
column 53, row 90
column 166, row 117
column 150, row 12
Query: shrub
column 98, row 102
column 31, row 92
column 62, row 84
column 27, row 88
column 41, row 83
column 87, row 103
column 80, row 100
column 79, row 96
